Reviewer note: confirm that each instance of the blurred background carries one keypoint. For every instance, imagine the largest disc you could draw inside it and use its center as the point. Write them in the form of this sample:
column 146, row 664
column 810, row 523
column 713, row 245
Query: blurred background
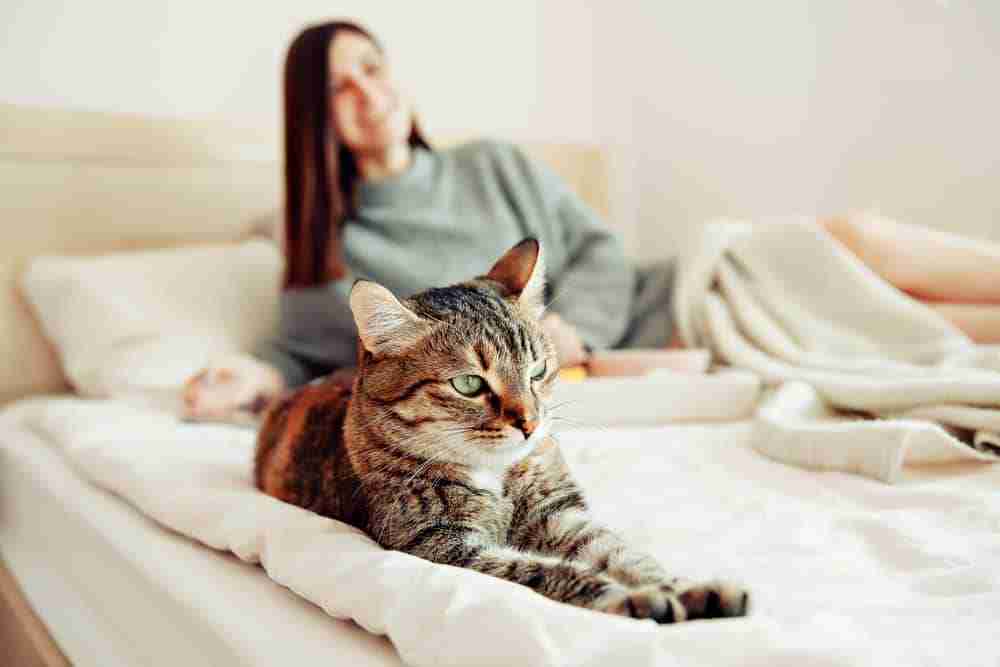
column 706, row 109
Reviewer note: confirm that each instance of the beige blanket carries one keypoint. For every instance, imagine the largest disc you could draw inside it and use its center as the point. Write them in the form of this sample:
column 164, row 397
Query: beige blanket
column 862, row 376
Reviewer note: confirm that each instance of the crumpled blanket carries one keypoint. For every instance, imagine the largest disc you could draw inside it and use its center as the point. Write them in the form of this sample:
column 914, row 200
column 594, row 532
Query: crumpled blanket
column 862, row 377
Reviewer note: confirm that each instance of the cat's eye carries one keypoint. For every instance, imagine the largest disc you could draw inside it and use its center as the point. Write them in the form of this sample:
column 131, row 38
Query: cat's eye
column 538, row 372
column 468, row 385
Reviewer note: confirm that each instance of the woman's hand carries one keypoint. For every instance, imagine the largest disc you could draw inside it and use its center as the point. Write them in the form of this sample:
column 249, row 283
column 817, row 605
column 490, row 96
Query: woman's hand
column 231, row 384
column 569, row 347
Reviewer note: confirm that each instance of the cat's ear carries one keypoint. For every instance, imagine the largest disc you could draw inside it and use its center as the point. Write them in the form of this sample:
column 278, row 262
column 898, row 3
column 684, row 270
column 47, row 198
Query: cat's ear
column 522, row 271
column 385, row 325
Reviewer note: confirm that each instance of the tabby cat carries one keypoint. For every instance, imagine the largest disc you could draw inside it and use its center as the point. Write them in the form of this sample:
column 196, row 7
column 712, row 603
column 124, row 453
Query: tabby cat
column 442, row 449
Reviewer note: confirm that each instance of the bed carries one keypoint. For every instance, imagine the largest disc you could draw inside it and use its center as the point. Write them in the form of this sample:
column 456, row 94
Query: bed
column 130, row 538
column 85, row 183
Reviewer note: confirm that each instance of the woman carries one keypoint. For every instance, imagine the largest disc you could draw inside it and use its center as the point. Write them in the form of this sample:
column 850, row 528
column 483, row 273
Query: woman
column 365, row 196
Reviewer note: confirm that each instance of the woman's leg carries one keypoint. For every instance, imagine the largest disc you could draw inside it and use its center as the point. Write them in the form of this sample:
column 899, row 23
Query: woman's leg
column 980, row 322
column 930, row 265
column 956, row 275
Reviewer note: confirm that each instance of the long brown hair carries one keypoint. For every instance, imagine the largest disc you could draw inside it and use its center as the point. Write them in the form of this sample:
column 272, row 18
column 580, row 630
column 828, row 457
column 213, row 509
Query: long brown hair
column 320, row 173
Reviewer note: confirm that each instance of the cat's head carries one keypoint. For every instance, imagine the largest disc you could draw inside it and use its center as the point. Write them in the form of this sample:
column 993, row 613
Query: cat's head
column 460, row 373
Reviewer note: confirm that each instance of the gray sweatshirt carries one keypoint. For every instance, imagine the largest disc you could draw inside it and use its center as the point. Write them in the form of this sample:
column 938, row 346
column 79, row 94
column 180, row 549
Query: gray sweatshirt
column 446, row 219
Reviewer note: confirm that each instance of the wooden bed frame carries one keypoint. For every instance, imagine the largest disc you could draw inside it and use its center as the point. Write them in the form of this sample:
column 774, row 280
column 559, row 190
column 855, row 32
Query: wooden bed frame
column 25, row 640
column 85, row 183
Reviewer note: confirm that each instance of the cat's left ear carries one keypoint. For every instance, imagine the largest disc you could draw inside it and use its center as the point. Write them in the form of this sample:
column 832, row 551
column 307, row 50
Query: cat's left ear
column 522, row 271
column 385, row 325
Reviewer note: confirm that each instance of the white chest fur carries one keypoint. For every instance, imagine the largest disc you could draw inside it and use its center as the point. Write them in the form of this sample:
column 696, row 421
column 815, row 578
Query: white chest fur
column 489, row 480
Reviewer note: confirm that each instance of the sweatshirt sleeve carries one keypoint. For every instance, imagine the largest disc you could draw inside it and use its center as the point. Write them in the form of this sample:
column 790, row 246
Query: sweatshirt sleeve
column 316, row 334
column 591, row 281
column 292, row 367
column 594, row 290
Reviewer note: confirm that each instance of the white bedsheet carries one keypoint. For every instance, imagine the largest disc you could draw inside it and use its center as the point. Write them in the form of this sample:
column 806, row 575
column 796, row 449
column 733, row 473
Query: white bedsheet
column 844, row 570
column 117, row 590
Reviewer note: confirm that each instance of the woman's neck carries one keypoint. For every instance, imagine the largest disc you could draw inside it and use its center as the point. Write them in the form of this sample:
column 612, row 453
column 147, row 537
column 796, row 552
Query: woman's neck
column 382, row 164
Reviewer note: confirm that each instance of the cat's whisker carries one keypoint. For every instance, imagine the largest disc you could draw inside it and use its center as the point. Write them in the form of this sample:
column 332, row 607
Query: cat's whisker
column 555, row 407
column 385, row 524
column 554, row 299
column 562, row 404
column 563, row 292
column 582, row 424
column 445, row 448
column 424, row 466
column 415, row 443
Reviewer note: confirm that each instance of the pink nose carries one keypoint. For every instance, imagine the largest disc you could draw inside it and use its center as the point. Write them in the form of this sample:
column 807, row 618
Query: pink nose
column 527, row 427
column 521, row 417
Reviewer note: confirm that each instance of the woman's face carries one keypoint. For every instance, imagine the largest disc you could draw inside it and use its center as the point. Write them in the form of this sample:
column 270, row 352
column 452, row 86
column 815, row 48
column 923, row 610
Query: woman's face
column 367, row 110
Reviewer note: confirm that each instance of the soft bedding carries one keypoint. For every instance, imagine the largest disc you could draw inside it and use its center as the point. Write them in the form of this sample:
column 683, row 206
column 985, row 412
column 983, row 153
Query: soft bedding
column 845, row 570
column 115, row 589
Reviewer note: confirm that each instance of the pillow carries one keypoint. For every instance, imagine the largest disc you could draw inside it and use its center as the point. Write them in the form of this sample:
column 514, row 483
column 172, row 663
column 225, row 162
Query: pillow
column 138, row 324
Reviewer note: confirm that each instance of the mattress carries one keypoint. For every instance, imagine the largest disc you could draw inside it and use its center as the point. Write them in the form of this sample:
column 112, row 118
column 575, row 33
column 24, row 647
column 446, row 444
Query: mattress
column 114, row 588
column 844, row 570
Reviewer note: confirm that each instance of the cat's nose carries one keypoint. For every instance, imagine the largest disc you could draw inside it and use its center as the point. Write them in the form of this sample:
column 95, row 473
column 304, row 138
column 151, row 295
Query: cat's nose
column 521, row 417
column 526, row 424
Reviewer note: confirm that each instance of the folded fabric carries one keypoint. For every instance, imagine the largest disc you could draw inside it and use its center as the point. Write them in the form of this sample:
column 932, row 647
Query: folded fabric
column 787, row 301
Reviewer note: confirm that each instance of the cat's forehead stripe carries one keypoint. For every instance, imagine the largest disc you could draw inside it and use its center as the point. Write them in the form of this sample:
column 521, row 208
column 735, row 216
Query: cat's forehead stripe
column 499, row 318
column 517, row 340
column 499, row 323
column 481, row 355
column 525, row 340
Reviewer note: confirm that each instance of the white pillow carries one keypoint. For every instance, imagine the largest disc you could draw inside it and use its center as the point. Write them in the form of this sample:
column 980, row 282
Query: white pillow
column 138, row 324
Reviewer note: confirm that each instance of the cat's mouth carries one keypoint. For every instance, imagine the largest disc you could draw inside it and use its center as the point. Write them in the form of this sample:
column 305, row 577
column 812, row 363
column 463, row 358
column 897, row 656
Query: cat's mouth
column 517, row 438
column 497, row 452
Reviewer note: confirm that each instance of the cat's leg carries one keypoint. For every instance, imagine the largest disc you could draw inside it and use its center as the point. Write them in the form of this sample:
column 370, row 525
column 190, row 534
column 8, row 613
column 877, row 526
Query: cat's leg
column 572, row 535
column 564, row 581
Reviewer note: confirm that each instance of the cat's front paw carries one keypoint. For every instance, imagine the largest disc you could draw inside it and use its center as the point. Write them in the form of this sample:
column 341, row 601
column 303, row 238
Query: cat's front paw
column 715, row 599
column 655, row 602
column 676, row 603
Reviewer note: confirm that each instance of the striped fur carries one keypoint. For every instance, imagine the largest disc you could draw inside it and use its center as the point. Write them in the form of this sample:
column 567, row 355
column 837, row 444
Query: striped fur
column 472, row 482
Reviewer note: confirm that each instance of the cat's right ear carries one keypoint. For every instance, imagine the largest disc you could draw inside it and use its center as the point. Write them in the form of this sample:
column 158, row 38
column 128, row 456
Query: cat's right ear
column 385, row 325
column 522, row 272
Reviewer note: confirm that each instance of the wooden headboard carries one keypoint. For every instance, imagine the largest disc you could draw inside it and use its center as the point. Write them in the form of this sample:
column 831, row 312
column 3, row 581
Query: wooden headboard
column 85, row 183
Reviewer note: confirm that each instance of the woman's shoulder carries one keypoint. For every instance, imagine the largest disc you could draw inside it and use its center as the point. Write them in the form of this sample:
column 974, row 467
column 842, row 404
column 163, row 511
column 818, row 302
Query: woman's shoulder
column 486, row 151
column 498, row 158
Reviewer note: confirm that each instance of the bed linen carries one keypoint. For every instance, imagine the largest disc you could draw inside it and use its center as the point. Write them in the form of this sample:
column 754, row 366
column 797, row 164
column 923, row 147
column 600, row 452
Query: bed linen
column 116, row 589
column 844, row 570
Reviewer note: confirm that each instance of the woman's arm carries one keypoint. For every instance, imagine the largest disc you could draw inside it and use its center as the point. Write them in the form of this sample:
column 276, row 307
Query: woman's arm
column 594, row 291
column 294, row 369
column 591, row 288
column 316, row 334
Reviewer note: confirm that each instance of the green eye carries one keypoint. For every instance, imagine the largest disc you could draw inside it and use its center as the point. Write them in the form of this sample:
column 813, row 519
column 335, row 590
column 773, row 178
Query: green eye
column 538, row 372
column 468, row 385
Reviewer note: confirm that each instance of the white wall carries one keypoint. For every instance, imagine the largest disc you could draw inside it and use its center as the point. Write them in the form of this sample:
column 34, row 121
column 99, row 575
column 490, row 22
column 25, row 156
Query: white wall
column 709, row 108
column 469, row 65
column 785, row 106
